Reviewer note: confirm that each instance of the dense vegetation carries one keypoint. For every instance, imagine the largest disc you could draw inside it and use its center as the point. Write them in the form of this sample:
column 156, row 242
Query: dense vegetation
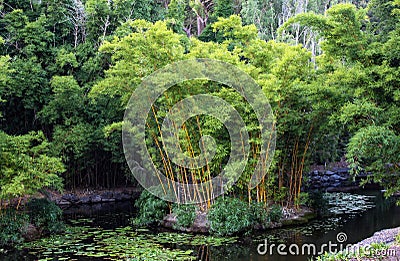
column 67, row 69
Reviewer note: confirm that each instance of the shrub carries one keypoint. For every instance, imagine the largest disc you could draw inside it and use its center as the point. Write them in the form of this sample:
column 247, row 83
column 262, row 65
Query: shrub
column 46, row 216
column 303, row 199
column 259, row 213
column 185, row 214
column 275, row 213
column 318, row 202
column 398, row 238
column 13, row 225
column 228, row 216
column 151, row 209
column 281, row 194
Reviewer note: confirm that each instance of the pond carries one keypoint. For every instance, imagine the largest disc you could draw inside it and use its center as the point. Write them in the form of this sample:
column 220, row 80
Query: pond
column 102, row 232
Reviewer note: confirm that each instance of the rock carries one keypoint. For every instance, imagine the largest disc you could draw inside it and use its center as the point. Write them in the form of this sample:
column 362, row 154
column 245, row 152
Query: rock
column 107, row 200
column 31, row 233
column 200, row 224
column 107, row 195
column 325, row 184
column 125, row 196
column 343, row 170
column 85, row 200
column 117, row 196
column 96, row 199
column 70, row 198
column 325, row 178
column 328, row 172
column 294, row 221
column 334, row 177
column 63, row 202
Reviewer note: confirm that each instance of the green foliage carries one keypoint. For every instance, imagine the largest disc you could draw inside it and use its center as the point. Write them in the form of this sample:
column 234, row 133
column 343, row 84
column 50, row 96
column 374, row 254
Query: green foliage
column 223, row 8
column 359, row 114
column 263, row 15
column 185, row 215
column 176, row 15
column 318, row 202
column 302, row 199
column 275, row 213
column 281, row 195
column 45, row 215
column 376, row 149
column 340, row 28
column 263, row 215
column 13, row 225
column 54, row 77
column 259, row 213
column 150, row 209
column 26, row 90
column 382, row 17
column 131, row 62
column 25, row 168
column 228, row 216
column 67, row 102
column 231, row 28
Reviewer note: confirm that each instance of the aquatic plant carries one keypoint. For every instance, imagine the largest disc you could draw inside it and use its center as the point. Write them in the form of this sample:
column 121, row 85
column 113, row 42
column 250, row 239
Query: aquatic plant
column 125, row 243
column 346, row 203
column 318, row 202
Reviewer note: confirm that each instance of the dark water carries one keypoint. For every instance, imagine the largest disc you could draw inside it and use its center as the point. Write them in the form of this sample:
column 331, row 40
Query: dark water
column 355, row 226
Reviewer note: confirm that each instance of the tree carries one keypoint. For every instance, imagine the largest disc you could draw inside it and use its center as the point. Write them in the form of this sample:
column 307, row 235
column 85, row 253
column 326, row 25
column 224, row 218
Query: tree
column 26, row 92
column 176, row 14
column 376, row 149
column 25, row 166
column 99, row 14
column 77, row 16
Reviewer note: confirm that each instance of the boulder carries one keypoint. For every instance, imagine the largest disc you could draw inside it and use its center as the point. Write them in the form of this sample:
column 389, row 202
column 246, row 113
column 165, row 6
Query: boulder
column 328, row 172
column 70, row 198
column 96, row 199
column 85, row 200
column 107, row 195
column 325, row 178
column 334, row 177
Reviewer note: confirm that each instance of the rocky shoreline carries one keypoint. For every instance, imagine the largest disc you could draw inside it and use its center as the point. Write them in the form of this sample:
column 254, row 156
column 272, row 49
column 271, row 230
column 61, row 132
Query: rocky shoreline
column 386, row 236
column 77, row 197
